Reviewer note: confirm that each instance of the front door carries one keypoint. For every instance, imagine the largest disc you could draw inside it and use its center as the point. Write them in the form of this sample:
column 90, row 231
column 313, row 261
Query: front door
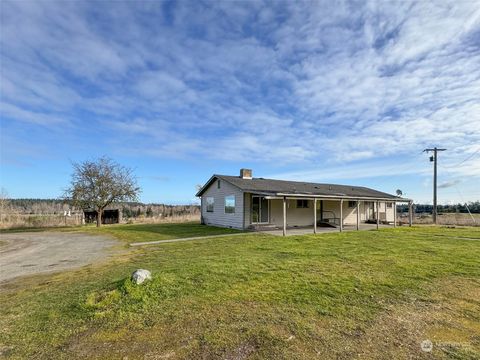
column 259, row 210
column 370, row 210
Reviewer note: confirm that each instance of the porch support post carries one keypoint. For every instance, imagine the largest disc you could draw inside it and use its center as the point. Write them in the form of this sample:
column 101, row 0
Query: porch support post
column 394, row 214
column 321, row 210
column 314, row 215
column 410, row 213
column 378, row 214
column 284, row 216
column 341, row 215
column 251, row 209
column 358, row 214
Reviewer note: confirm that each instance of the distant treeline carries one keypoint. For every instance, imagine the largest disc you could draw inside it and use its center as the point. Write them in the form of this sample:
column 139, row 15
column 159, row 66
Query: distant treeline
column 474, row 207
column 129, row 210
column 134, row 210
column 137, row 209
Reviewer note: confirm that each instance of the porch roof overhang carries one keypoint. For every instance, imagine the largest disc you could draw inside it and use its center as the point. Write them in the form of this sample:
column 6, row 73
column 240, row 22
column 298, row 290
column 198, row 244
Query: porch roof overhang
column 273, row 196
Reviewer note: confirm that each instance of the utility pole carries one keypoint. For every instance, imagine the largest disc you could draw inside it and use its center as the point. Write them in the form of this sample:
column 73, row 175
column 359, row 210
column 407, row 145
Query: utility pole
column 434, row 159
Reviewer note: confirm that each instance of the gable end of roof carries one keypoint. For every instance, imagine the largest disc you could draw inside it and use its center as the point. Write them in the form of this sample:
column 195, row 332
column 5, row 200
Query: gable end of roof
column 210, row 182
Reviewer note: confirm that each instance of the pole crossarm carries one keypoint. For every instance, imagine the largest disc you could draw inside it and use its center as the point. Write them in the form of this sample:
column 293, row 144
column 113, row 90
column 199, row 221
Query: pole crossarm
column 434, row 149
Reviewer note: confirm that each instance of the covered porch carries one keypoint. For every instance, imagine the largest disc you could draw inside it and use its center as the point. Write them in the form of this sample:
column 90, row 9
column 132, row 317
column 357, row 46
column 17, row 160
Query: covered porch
column 304, row 230
column 297, row 213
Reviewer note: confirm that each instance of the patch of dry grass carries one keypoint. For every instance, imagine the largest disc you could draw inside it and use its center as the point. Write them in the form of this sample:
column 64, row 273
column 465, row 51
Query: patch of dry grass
column 19, row 221
column 460, row 219
column 12, row 221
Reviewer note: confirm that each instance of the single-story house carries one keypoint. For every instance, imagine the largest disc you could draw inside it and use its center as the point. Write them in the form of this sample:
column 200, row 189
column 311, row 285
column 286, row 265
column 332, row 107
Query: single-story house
column 245, row 202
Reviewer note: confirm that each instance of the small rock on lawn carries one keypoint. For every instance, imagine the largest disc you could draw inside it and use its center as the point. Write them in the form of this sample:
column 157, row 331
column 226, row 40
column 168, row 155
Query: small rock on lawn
column 140, row 275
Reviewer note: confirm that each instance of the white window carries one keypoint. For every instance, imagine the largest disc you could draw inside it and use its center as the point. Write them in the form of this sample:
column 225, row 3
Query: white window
column 302, row 204
column 210, row 204
column 230, row 204
column 218, row 184
column 389, row 205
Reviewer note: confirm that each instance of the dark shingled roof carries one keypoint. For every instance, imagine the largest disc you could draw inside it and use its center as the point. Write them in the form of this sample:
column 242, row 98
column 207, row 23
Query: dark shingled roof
column 273, row 187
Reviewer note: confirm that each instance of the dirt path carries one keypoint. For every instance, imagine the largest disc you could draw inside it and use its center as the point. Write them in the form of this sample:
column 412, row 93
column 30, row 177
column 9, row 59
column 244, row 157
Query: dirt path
column 33, row 253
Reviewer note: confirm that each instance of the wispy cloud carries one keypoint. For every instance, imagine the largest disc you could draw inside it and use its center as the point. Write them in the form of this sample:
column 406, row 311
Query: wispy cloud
column 297, row 85
column 360, row 170
column 448, row 184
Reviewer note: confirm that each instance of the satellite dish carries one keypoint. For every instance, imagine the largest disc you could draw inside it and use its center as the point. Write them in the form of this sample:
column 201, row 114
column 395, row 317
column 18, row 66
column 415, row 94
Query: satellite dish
column 399, row 192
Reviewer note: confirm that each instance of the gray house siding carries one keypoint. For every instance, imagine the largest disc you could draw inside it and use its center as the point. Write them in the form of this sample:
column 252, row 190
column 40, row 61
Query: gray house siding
column 367, row 212
column 295, row 217
column 218, row 217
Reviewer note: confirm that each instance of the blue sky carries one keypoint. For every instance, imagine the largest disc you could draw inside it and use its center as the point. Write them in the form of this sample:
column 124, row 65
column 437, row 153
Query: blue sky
column 325, row 91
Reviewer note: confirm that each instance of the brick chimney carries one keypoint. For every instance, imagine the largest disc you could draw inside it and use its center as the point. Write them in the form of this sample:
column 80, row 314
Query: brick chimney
column 246, row 173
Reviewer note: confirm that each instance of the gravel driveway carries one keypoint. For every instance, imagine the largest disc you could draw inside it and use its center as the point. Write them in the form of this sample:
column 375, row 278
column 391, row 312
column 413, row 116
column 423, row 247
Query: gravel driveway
column 40, row 252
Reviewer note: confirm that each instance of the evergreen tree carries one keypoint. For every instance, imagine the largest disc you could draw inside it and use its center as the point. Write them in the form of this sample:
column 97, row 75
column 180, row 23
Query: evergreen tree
column 149, row 212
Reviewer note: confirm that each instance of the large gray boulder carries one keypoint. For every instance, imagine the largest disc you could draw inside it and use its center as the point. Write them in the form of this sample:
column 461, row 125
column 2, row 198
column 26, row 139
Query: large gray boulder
column 140, row 275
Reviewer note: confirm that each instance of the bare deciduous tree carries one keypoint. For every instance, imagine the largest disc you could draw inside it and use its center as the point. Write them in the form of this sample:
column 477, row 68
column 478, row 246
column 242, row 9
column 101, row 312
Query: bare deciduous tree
column 97, row 184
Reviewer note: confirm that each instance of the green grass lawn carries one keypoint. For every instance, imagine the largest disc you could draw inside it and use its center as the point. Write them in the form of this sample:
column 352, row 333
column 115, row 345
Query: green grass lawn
column 369, row 294
column 152, row 232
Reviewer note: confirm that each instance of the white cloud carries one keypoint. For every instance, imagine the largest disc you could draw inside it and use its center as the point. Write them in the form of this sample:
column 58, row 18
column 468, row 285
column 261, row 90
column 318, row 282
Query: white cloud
column 304, row 83
column 360, row 170
column 38, row 118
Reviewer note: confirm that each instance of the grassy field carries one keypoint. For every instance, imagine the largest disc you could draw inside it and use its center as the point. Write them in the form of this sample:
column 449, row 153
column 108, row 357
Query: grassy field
column 370, row 294
column 151, row 232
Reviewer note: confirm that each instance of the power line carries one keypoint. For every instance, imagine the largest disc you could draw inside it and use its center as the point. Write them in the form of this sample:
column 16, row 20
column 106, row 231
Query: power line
column 461, row 162
column 460, row 194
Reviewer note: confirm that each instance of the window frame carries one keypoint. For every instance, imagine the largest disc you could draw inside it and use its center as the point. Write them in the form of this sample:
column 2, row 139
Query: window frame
column 231, row 209
column 212, row 204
